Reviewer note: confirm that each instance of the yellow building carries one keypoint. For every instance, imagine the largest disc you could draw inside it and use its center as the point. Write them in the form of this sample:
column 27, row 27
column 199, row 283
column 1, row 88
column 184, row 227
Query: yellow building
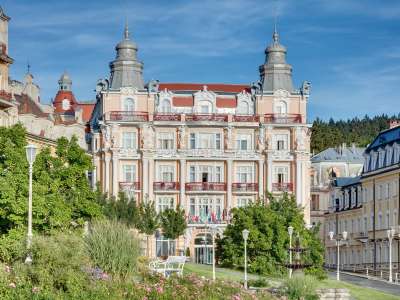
column 366, row 207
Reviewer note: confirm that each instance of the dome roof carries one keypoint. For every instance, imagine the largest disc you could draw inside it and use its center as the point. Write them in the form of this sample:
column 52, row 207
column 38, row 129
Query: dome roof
column 126, row 43
column 65, row 78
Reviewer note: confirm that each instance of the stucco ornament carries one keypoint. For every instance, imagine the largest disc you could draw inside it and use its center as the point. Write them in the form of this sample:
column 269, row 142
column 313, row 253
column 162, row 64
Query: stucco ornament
column 148, row 137
column 261, row 138
column 305, row 88
column 300, row 139
column 181, row 136
column 228, row 137
column 102, row 85
column 153, row 86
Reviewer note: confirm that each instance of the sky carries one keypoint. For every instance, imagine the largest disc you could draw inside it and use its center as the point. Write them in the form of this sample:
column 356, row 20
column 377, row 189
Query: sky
column 348, row 49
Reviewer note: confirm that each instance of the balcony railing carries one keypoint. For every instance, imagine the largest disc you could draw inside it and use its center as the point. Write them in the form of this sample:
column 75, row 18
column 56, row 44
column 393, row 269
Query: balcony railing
column 246, row 118
column 135, row 186
column 5, row 96
column 166, row 186
column 282, row 187
column 166, row 117
column 207, row 117
column 205, row 186
column 282, row 118
column 130, row 116
column 244, row 187
column 209, row 219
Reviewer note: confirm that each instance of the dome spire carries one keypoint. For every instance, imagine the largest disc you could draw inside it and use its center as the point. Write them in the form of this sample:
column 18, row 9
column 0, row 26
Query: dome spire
column 126, row 31
column 275, row 36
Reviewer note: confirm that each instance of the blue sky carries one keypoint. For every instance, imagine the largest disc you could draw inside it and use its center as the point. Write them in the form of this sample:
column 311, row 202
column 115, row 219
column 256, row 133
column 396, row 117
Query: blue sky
column 348, row 49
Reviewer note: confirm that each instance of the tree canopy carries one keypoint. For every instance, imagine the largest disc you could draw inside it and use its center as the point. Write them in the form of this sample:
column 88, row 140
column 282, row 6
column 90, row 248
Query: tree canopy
column 173, row 222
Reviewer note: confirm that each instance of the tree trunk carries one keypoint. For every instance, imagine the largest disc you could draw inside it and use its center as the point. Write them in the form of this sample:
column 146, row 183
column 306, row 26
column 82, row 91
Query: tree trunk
column 147, row 246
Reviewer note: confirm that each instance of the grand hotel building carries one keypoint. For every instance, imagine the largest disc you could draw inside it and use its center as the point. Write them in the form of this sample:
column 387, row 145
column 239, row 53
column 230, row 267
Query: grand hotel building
column 205, row 147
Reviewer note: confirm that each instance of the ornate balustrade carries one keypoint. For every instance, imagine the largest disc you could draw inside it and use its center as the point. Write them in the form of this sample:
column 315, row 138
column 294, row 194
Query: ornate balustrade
column 166, row 186
column 244, row 187
column 129, row 116
column 282, row 187
column 207, row 117
column 129, row 186
column 166, row 117
column 282, row 118
column 246, row 118
column 205, row 186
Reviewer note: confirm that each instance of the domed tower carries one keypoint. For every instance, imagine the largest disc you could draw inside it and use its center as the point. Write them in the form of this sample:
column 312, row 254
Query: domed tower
column 65, row 101
column 275, row 73
column 65, row 82
column 126, row 69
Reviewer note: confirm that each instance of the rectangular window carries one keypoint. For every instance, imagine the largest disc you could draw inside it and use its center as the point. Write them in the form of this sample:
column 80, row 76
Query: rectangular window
column 129, row 140
column 192, row 174
column 315, row 202
column 281, row 142
column 166, row 140
column 281, row 174
column 243, row 142
column 218, row 174
column 192, row 141
column 164, row 203
column 244, row 174
column 242, row 202
column 166, row 173
column 218, row 141
column 129, row 173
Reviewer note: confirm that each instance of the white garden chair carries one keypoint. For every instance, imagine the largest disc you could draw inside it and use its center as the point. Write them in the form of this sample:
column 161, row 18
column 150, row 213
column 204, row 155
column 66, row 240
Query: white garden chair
column 173, row 264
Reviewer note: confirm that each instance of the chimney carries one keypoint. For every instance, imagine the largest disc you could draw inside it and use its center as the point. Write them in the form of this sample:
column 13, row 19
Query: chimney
column 394, row 123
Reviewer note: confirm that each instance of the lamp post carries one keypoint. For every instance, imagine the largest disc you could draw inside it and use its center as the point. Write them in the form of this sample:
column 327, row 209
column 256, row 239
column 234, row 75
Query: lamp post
column 214, row 230
column 30, row 156
column 245, row 234
column 390, row 235
column 290, row 231
column 338, row 240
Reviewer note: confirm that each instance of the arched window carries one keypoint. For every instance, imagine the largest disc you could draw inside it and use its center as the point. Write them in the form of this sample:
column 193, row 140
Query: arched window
column 243, row 108
column 166, row 106
column 129, row 104
column 281, row 108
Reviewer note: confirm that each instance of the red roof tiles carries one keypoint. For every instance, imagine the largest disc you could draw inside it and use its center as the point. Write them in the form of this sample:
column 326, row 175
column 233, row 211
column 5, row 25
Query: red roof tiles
column 182, row 101
column 226, row 102
column 215, row 87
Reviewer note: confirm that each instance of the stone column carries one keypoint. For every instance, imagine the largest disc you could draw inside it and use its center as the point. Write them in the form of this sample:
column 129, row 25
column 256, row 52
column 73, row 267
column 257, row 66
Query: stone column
column 150, row 179
column 269, row 173
column 229, row 174
column 182, row 181
column 299, row 180
column 145, row 177
column 260, row 178
column 94, row 172
column 115, row 174
column 107, row 173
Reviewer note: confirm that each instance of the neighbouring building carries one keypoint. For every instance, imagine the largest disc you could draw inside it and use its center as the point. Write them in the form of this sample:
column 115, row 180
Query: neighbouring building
column 20, row 102
column 327, row 165
column 366, row 207
column 205, row 147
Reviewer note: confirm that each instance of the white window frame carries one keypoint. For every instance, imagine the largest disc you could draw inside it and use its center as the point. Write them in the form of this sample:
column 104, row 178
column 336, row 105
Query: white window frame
column 129, row 140
column 166, row 140
column 129, row 170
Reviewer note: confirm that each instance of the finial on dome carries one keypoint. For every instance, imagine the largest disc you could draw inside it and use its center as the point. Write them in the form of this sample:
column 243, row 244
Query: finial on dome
column 126, row 31
column 275, row 36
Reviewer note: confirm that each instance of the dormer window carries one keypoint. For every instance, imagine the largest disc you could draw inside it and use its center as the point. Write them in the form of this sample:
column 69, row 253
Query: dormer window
column 166, row 106
column 281, row 108
column 66, row 105
column 205, row 107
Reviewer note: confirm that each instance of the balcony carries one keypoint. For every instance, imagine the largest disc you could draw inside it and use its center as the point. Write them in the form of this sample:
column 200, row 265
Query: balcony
column 244, row 187
column 205, row 186
column 167, row 117
column 166, row 186
column 282, row 187
column 207, row 117
column 246, row 118
column 129, row 186
column 129, row 116
column 283, row 118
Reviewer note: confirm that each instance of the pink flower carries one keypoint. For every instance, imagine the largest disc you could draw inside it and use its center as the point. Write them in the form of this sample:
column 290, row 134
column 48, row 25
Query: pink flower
column 148, row 289
column 236, row 297
column 7, row 269
column 160, row 290
column 12, row 285
column 35, row 289
column 145, row 298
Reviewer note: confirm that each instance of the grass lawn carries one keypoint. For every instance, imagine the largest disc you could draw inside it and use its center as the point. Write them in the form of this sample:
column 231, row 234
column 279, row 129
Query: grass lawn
column 357, row 292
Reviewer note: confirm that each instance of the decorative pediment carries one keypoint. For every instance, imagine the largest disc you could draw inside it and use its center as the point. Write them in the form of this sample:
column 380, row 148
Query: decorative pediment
column 281, row 94
column 128, row 91
column 244, row 96
column 204, row 97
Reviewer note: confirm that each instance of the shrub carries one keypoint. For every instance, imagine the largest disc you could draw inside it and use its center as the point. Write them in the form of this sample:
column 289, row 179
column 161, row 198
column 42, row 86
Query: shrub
column 13, row 245
column 301, row 287
column 113, row 248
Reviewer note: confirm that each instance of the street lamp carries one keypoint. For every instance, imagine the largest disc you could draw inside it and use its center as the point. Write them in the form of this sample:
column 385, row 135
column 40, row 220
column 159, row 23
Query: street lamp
column 214, row 230
column 390, row 235
column 338, row 240
column 30, row 156
column 245, row 234
column 290, row 231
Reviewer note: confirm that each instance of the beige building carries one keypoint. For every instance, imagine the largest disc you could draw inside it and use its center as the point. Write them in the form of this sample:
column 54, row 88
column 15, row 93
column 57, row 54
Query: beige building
column 205, row 147
column 366, row 207
column 20, row 102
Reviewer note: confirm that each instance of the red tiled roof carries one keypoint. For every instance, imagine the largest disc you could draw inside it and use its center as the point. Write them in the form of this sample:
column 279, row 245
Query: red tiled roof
column 182, row 101
column 28, row 106
column 226, row 102
column 215, row 87
column 87, row 109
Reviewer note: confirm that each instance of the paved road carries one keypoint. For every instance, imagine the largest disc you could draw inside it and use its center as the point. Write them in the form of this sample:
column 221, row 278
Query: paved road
column 393, row 289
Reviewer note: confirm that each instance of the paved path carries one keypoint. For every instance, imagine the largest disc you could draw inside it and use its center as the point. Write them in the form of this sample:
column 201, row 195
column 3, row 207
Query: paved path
column 382, row 286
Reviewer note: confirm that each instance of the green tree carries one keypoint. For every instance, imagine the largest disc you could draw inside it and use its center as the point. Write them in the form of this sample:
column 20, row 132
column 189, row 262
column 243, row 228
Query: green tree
column 268, row 239
column 173, row 223
column 148, row 220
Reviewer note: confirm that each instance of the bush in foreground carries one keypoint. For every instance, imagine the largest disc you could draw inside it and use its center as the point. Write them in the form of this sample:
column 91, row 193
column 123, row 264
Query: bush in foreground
column 113, row 248
column 300, row 287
